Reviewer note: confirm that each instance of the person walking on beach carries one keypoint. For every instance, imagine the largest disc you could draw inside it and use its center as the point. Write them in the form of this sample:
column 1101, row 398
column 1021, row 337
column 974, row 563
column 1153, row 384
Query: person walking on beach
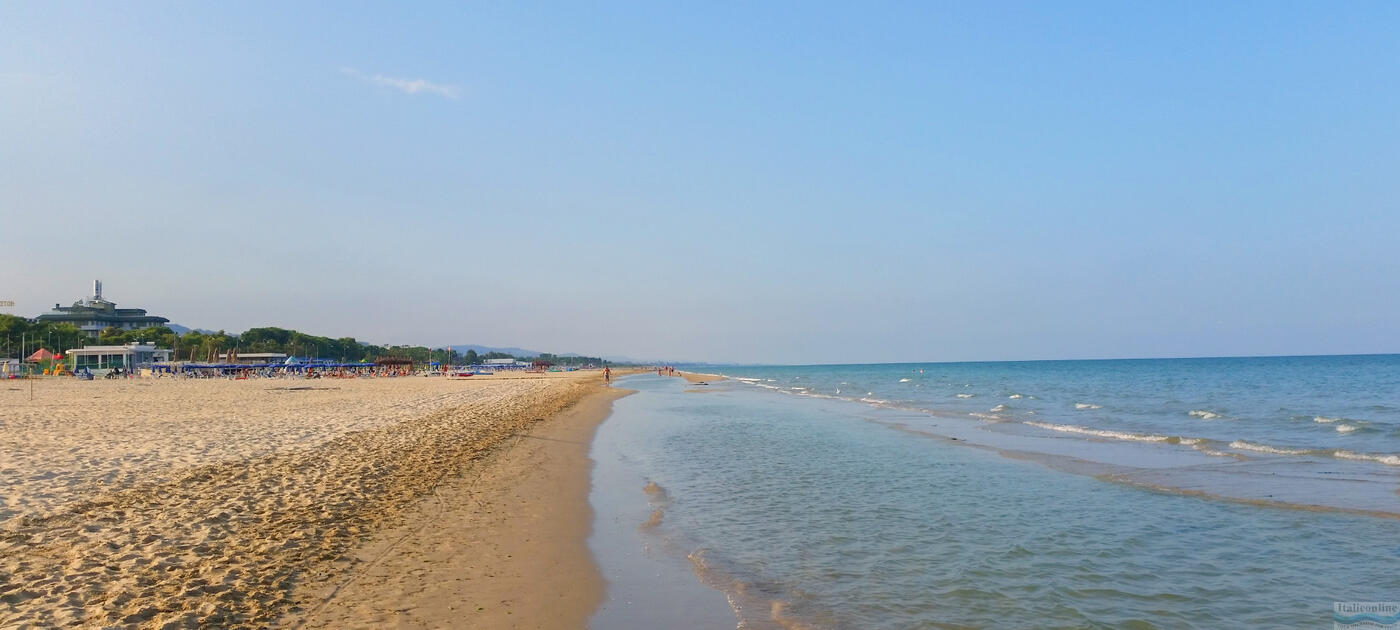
column 607, row 375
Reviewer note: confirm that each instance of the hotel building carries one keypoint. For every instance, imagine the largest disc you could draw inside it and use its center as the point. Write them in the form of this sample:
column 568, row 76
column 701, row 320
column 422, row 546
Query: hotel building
column 92, row 315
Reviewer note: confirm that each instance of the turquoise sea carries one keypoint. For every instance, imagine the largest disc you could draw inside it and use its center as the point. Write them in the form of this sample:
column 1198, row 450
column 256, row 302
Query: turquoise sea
column 1174, row 493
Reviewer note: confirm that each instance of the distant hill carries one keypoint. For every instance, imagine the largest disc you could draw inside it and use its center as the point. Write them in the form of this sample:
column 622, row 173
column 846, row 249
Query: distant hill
column 180, row 330
column 515, row 352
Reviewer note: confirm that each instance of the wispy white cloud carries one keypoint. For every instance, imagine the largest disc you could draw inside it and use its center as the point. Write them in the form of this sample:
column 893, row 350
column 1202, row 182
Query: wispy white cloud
column 407, row 86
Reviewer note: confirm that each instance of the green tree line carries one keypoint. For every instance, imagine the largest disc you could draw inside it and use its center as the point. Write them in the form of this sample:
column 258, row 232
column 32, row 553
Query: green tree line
column 20, row 336
column 200, row 346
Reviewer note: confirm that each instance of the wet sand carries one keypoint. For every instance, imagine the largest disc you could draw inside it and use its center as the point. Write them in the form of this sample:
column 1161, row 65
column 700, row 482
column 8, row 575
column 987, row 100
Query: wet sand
column 502, row 546
column 700, row 377
column 162, row 503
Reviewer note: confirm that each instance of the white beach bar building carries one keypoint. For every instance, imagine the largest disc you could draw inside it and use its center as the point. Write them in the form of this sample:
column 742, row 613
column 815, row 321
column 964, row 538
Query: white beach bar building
column 127, row 356
column 506, row 363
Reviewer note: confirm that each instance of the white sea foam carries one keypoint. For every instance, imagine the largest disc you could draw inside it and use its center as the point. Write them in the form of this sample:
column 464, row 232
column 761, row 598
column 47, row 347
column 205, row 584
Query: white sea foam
column 1212, row 452
column 1014, row 396
column 966, row 395
column 800, row 388
column 746, row 379
column 1116, row 435
column 1387, row 459
column 1326, row 420
column 997, row 408
column 904, row 380
column 986, row 416
column 874, row 401
column 1242, row 445
column 1087, row 406
column 1204, row 415
column 1346, row 428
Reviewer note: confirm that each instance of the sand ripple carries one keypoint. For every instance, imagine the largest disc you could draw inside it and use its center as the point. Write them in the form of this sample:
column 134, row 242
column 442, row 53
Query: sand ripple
column 182, row 504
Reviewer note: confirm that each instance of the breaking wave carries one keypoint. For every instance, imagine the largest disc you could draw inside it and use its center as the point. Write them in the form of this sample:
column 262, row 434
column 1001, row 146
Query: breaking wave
column 1381, row 458
column 1389, row 459
column 1265, row 448
column 1104, row 433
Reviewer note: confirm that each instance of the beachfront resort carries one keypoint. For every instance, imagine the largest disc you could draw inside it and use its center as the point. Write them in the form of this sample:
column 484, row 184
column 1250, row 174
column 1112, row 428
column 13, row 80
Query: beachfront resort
column 94, row 338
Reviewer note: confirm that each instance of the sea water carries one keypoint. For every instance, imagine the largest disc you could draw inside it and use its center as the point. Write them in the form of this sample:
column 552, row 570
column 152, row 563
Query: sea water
column 1048, row 494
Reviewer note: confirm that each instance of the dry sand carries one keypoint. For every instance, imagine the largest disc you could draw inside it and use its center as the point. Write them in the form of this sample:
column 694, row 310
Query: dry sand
column 164, row 503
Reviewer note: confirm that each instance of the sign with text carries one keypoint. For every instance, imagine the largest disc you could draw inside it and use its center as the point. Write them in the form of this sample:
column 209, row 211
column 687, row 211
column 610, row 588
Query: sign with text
column 1369, row 615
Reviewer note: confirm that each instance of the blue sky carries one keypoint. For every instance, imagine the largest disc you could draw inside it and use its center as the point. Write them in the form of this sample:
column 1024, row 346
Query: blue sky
column 794, row 182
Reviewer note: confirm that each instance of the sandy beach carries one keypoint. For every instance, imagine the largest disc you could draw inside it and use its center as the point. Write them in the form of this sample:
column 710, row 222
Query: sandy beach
column 298, row 503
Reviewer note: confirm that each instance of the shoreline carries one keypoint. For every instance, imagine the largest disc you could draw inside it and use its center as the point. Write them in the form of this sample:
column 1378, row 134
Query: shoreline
column 502, row 545
column 652, row 574
column 700, row 378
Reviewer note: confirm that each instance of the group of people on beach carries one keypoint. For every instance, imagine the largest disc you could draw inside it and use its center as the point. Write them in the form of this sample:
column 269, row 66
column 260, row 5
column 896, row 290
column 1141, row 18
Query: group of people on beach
column 666, row 371
column 283, row 372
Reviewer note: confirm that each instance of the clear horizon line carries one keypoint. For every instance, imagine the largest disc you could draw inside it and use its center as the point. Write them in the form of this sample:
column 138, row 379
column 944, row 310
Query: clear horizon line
column 1165, row 358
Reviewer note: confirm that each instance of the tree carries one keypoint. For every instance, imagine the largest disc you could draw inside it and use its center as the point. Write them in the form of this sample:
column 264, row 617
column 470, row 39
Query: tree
column 68, row 335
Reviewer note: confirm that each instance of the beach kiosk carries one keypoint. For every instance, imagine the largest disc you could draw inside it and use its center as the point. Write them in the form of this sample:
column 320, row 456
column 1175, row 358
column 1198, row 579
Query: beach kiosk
column 101, row 358
column 395, row 365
